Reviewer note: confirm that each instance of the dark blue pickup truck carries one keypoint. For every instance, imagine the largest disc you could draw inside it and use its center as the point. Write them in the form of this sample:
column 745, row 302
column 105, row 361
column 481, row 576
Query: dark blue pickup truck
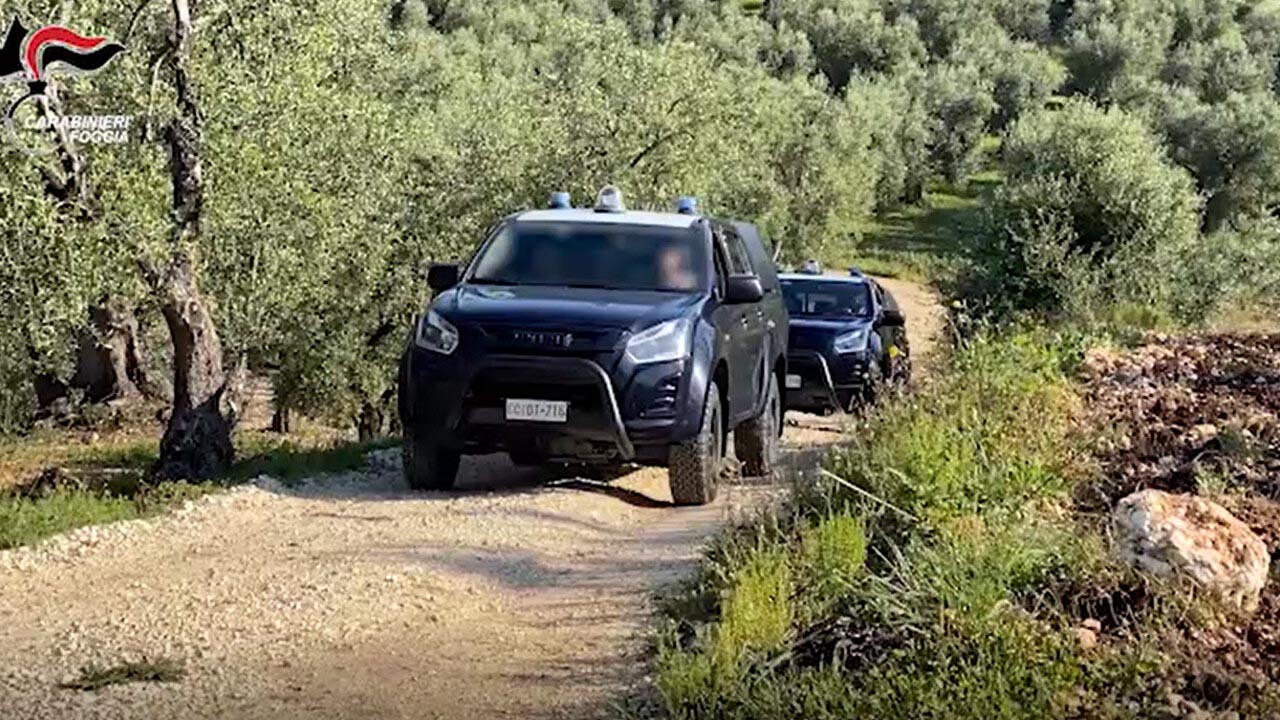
column 600, row 336
column 848, row 339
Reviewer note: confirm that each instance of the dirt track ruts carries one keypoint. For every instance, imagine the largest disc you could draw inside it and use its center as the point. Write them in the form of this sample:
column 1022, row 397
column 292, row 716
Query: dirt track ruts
column 351, row 597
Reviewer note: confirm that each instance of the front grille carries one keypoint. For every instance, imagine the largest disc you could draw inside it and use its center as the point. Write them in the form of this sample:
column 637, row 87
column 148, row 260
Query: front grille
column 801, row 339
column 809, row 368
column 556, row 341
column 805, row 365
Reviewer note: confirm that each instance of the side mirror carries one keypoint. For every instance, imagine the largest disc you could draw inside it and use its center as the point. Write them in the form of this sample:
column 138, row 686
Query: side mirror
column 893, row 318
column 443, row 276
column 742, row 289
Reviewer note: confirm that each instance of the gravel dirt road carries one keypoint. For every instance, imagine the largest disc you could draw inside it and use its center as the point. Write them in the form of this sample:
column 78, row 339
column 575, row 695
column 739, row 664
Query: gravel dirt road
column 351, row 597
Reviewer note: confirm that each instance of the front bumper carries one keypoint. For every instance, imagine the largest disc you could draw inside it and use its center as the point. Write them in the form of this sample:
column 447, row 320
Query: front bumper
column 461, row 403
column 826, row 383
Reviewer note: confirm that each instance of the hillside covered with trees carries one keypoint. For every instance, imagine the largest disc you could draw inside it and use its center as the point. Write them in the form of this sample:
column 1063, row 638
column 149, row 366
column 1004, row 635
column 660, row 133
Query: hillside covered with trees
column 344, row 145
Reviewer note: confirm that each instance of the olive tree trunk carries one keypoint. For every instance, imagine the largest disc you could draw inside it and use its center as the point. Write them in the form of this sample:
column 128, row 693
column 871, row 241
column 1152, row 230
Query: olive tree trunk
column 197, row 442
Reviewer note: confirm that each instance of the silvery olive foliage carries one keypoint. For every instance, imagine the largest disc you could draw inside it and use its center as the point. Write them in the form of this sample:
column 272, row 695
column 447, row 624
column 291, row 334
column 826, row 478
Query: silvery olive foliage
column 348, row 144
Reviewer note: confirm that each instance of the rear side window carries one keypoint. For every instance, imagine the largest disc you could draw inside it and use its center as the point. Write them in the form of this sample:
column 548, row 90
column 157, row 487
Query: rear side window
column 722, row 270
column 761, row 260
column 885, row 298
column 739, row 260
column 889, row 302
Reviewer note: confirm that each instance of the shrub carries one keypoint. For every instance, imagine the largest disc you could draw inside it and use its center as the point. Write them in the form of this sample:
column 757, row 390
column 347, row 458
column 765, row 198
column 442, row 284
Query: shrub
column 1240, row 270
column 1092, row 217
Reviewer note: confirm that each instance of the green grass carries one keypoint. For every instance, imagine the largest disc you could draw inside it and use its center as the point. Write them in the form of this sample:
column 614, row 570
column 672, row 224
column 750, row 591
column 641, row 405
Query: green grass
column 934, row 239
column 24, row 521
column 159, row 670
column 922, row 242
column 108, row 482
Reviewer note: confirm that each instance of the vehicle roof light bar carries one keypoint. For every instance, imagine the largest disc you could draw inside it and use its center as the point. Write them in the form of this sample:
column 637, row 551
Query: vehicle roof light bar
column 610, row 200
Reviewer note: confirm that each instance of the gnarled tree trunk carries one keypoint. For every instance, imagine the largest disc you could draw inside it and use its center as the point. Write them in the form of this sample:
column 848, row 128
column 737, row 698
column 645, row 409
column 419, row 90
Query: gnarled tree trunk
column 103, row 366
column 197, row 442
column 110, row 365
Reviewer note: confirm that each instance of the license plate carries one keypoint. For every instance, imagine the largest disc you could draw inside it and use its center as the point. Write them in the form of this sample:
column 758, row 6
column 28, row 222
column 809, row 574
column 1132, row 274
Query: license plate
column 549, row 411
column 794, row 382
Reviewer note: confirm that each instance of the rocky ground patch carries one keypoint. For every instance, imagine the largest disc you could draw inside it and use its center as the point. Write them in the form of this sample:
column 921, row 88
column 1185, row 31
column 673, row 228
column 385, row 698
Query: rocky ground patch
column 1198, row 415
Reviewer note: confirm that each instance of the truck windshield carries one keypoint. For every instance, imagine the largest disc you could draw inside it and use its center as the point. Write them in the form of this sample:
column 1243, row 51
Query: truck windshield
column 610, row 256
column 808, row 298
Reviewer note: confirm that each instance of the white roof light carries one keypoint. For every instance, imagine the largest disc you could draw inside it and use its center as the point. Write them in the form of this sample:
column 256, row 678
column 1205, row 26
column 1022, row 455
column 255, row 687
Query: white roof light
column 610, row 200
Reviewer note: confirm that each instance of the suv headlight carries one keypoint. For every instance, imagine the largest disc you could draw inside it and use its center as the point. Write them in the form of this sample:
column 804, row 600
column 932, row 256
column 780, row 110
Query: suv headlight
column 852, row 342
column 661, row 343
column 436, row 334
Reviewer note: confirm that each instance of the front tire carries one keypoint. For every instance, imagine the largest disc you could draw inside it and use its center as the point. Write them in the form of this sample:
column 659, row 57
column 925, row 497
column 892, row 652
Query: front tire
column 427, row 465
column 756, row 441
column 694, row 465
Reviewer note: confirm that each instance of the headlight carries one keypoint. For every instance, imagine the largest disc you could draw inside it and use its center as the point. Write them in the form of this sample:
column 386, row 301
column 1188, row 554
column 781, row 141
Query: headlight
column 436, row 334
column 852, row 342
column 660, row 343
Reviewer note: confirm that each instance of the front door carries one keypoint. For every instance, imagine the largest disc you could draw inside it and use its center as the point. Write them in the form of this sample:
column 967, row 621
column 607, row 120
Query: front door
column 749, row 351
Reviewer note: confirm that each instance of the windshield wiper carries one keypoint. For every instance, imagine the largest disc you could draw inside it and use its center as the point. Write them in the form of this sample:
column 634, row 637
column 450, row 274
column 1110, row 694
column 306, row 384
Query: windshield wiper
column 493, row 281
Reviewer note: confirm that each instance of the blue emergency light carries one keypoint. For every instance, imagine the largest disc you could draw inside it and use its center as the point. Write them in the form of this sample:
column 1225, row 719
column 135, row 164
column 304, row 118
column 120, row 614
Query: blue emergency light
column 560, row 201
column 687, row 205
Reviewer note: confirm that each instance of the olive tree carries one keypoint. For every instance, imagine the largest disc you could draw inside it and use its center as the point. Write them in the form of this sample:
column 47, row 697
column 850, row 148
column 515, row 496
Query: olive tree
column 852, row 37
column 1233, row 150
column 1094, row 216
column 1116, row 48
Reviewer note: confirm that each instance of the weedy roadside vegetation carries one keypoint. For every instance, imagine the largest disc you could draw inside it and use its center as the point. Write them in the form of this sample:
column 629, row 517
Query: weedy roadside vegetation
column 937, row 569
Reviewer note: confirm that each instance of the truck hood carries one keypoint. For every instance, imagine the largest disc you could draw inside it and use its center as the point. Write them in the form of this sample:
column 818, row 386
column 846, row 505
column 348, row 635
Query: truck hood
column 819, row 333
column 561, row 307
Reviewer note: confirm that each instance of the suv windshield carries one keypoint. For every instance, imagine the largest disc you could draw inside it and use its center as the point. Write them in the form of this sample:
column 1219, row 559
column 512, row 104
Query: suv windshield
column 612, row 256
column 808, row 298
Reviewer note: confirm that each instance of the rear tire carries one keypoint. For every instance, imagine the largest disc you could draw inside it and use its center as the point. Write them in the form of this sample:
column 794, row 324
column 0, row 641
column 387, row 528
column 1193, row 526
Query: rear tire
column 427, row 466
column 756, row 441
column 694, row 465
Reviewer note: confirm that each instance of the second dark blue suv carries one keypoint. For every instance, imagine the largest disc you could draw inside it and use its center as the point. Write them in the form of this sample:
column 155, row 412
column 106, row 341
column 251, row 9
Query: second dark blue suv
column 600, row 336
column 848, row 338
